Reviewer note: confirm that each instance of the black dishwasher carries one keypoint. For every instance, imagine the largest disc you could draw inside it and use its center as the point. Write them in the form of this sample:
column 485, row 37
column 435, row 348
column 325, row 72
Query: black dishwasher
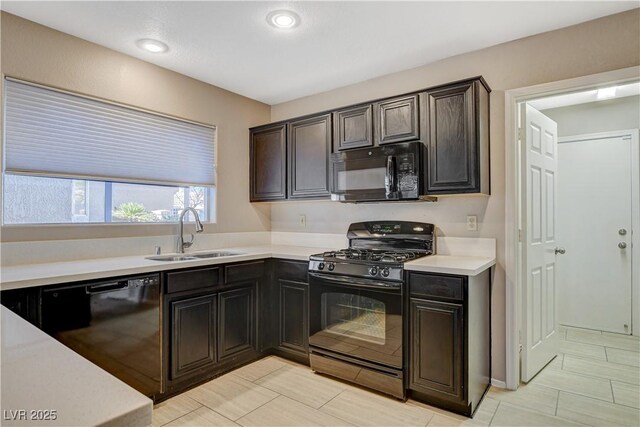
column 115, row 324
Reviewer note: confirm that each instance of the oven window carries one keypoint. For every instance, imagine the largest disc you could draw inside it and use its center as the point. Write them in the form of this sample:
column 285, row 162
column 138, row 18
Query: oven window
column 354, row 316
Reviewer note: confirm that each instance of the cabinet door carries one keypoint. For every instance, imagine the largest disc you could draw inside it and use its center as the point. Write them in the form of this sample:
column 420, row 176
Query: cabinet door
column 352, row 128
column 268, row 163
column 192, row 345
column 437, row 340
column 396, row 120
column 294, row 315
column 237, row 321
column 453, row 160
column 309, row 148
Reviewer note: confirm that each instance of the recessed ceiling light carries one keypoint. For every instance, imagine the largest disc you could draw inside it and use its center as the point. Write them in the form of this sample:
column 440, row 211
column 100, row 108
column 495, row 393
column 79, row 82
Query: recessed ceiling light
column 283, row 19
column 151, row 45
column 607, row 92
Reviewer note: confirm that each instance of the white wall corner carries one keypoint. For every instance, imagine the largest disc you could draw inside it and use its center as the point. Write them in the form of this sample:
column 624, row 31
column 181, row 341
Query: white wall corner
column 498, row 383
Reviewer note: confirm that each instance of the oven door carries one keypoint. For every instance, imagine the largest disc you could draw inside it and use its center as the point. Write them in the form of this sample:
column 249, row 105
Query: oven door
column 376, row 174
column 358, row 318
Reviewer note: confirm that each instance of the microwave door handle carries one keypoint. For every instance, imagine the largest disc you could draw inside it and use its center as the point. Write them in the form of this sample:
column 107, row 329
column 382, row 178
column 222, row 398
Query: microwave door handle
column 390, row 178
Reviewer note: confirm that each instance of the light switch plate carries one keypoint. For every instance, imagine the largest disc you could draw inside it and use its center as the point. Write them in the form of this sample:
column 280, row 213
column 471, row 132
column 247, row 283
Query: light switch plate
column 472, row 223
column 302, row 220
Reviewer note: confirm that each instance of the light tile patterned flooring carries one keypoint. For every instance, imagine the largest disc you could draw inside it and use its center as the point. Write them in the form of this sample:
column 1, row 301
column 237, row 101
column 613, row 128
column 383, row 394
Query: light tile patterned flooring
column 594, row 381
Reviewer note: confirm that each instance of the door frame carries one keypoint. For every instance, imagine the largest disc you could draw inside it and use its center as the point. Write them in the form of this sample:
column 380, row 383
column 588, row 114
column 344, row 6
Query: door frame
column 514, row 198
column 634, row 135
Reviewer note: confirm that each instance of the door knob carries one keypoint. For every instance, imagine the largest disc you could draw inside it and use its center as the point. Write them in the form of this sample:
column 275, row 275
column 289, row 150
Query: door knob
column 622, row 231
column 560, row 251
column 622, row 245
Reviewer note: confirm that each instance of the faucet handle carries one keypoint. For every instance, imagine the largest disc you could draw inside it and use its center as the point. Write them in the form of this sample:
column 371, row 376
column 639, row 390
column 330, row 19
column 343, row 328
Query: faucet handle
column 190, row 242
column 157, row 250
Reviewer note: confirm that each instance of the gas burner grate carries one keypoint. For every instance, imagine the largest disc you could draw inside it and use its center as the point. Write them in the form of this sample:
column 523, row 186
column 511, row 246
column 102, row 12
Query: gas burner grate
column 373, row 255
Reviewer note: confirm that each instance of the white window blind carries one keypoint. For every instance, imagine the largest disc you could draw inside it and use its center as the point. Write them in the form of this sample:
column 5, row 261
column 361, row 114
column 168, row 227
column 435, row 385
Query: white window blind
column 57, row 134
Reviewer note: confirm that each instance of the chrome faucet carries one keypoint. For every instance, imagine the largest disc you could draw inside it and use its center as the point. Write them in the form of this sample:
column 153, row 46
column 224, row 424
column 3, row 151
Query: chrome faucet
column 181, row 244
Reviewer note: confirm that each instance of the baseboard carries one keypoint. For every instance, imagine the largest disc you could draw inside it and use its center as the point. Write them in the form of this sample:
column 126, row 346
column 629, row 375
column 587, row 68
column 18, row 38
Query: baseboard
column 498, row 383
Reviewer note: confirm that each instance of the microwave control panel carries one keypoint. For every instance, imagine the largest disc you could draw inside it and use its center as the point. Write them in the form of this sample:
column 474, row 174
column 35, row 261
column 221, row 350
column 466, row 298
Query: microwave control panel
column 407, row 175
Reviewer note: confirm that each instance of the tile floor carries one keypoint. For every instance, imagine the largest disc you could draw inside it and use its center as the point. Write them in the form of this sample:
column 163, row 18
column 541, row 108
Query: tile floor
column 594, row 381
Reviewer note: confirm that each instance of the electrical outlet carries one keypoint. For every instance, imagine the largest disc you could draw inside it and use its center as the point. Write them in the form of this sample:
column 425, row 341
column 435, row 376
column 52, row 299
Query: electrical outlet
column 302, row 220
column 472, row 223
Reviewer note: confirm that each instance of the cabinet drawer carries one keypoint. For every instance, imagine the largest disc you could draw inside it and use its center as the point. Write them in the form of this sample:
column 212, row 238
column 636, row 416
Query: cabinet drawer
column 429, row 285
column 192, row 279
column 242, row 272
column 292, row 270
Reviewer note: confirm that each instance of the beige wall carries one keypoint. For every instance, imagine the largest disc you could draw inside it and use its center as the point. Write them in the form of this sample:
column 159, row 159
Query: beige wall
column 605, row 44
column 594, row 117
column 33, row 52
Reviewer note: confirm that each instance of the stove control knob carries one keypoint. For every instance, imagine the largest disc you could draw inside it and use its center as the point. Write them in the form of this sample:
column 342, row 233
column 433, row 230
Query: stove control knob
column 332, row 266
column 321, row 266
column 373, row 271
column 385, row 272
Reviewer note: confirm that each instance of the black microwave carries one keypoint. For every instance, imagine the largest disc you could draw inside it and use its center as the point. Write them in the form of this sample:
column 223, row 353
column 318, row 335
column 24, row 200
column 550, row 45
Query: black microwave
column 385, row 173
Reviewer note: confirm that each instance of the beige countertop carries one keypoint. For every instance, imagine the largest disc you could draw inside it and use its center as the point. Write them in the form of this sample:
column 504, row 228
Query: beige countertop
column 41, row 374
column 24, row 276
column 451, row 264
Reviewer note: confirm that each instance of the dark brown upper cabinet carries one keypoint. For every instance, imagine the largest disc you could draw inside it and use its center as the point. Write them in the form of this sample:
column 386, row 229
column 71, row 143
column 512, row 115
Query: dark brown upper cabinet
column 396, row 120
column 309, row 148
column 291, row 160
column 268, row 163
column 457, row 123
column 352, row 128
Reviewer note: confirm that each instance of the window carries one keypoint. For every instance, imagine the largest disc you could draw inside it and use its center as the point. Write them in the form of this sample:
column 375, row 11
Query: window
column 72, row 159
column 42, row 200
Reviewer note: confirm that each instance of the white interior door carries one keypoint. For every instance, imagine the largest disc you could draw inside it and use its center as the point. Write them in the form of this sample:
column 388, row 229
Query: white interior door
column 594, row 219
column 539, row 149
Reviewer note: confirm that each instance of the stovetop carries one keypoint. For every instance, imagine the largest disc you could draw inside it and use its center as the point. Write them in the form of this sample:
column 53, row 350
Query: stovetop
column 377, row 250
column 383, row 256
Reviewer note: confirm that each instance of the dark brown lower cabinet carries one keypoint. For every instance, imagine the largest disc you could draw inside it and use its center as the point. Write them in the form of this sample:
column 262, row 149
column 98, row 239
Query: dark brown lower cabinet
column 294, row 315
column 193, row 334
column 237, row 321
column 449, row 339
column 291, row 309
column 437, row 348
column 210, row 322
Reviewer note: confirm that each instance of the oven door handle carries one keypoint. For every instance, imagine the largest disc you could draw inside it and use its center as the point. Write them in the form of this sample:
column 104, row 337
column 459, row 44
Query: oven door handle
column 357, row 282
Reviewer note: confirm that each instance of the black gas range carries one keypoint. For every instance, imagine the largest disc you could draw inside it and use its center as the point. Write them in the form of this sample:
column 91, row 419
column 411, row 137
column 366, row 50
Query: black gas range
column 356, row 327
column 377, row 249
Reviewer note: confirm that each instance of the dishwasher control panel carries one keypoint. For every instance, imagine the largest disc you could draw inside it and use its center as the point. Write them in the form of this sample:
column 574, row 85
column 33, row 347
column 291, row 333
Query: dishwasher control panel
column 145, row 281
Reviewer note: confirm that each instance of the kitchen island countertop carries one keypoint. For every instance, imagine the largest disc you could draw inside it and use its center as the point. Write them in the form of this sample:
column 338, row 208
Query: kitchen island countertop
column 41, row 375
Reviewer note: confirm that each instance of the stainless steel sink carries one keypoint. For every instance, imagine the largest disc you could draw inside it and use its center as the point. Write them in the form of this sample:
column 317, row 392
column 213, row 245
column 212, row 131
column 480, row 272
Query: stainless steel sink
column 188, row 257
column 215, row 254
column 171, row 258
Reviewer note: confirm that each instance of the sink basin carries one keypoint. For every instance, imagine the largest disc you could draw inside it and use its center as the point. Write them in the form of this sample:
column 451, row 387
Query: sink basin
column 188, row 257
column 171, row 258
column 215, row 254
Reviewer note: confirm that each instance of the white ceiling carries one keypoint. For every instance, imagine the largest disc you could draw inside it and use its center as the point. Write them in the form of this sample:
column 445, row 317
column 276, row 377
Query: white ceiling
column 584, row 97
column 230, row 45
